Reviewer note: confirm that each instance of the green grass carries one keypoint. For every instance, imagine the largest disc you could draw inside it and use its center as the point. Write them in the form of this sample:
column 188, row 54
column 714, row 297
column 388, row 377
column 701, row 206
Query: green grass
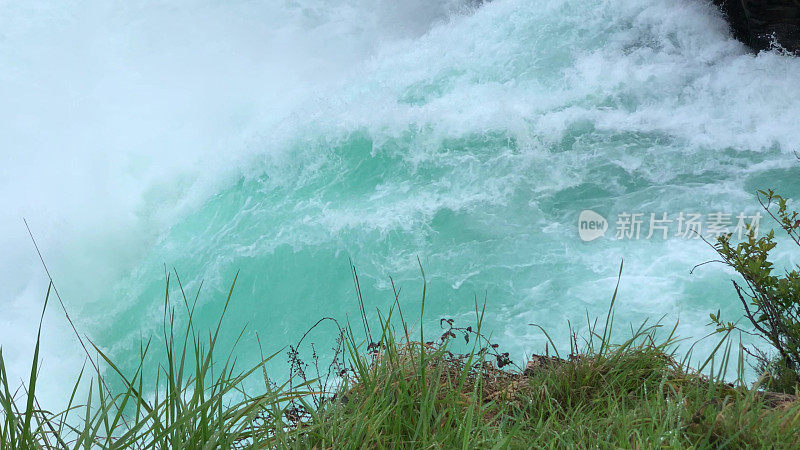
column 395, row 389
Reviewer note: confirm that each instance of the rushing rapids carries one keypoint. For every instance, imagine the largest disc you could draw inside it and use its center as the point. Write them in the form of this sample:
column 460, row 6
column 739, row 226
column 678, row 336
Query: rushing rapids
column 283, row 139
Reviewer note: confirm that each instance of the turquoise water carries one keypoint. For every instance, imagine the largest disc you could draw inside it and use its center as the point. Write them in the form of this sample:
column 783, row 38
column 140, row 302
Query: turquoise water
column 290, row 138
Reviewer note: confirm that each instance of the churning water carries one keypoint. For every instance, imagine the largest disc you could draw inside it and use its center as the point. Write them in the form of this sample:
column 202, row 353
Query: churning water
column 284, row 138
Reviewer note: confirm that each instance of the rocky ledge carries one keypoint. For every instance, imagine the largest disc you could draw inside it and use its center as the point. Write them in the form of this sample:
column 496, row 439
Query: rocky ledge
column 760, row 24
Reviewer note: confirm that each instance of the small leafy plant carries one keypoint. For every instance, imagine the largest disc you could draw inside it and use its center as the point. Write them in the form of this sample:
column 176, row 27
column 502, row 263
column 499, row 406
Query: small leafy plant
column 770, row 297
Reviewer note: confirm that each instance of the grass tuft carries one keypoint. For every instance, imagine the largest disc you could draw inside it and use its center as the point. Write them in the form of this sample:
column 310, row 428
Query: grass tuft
column 391, row 388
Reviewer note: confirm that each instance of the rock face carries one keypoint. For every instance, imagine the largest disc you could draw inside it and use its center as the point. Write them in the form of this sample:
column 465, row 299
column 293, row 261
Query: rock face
column 759, row 23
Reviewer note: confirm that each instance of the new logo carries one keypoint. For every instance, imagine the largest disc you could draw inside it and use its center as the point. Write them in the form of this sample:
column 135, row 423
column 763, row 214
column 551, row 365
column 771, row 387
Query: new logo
column 591, row 225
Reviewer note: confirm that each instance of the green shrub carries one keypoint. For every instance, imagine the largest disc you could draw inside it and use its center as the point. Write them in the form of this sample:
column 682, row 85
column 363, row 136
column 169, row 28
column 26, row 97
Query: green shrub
column 771, row 297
